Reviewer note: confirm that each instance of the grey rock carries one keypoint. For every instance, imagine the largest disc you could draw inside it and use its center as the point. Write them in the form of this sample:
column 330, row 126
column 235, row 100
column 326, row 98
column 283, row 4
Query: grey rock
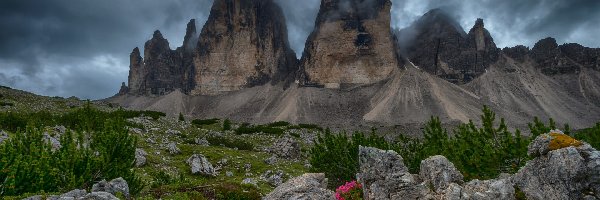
column 140, row 157
column 60, row 129
column 118, row 185
column 76, row 193
column 247, row 167
column 172, row 148
column 560, row 174
column 202, row 142
column 307, row 186
column 271, row 160
column 286, row 147
column 229, row 174
column 3, row 136
column 500, row 189
column 249, row 181
column 99, row 196
column 36, row 197
column 384, row 176
column 439, row 172
column 55, row 142
column 200, row 165
column 540, row 145
column 173, row 132
column 273, row 178
column 135, row 130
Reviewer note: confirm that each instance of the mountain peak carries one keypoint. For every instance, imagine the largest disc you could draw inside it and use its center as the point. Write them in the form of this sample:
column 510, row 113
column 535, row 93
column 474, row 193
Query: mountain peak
column 157, row 34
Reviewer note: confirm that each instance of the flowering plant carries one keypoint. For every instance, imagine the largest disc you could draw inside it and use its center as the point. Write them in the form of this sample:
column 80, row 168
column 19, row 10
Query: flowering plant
column 349, row 191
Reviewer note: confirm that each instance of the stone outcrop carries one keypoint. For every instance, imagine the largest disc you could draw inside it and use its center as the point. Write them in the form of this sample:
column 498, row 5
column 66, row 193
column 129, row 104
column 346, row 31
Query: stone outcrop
column 384, row 176
column 563, row 168
column 140, row 157
column 439, row 172
column 553, row 59
column 352, row 44
column 243, row 44
column 286, row 147
column 438, row 44
column 307, row 186
column 115, row 186
column 200, row 165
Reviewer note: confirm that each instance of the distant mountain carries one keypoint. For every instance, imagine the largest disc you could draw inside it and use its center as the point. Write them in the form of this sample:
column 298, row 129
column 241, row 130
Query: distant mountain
column 356, row 72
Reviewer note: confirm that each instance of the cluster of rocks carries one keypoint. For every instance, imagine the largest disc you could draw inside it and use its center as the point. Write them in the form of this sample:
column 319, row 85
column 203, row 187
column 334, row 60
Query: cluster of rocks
column 286, row 147
column 200, row 165
column 102, row 190
column 562, row 168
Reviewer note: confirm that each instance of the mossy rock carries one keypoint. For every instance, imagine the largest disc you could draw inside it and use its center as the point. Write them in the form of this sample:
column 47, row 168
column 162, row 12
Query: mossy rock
column 560, row 141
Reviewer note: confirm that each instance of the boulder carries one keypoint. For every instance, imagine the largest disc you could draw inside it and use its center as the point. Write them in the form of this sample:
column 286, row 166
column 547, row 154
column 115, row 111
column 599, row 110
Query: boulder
column 55, row 142
column 118, row 185
column 274, row 178
column 249, row 181
column 140, row 157
column 439, row 172
column 563, row 169
column 202, row 142
column 286, row 147
column 172, row 148
column 307, row 186
column 75, row 194
column 384, row 176
column 3, row 136
column 200, row 165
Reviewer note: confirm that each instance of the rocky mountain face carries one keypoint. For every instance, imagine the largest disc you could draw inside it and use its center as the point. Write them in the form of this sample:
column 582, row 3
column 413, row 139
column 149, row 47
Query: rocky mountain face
column 352, row 44
column 243, row 44
column 163, row 70
column 438, row 44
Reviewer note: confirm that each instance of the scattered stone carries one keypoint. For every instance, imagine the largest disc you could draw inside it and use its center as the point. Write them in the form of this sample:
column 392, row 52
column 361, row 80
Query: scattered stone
column 249, row 181
column 247, row 167
column 307, row 186
column 140, row 157
column 136, row 130
column 60, row 129
column 439, row 172
column 229, row 174
column 286, row 147
column 200, row 165
column 273, row 178
column 172, row 147
column 173, row 132
column 55, row 142
column 118, row 185
column 271, row 160
column 202, row 142
column 3, row 136
column 36, row 197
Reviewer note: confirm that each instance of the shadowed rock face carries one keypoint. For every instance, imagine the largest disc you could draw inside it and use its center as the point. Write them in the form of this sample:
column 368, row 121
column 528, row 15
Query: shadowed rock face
column 243, row 44
column 438, row 44
column 351, row 44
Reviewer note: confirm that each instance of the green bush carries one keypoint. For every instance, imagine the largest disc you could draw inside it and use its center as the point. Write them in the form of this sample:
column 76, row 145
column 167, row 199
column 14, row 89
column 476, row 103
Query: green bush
column 204, row 122
column 590, row 135
column 306, row 126
column 30, row 164
column 278, row 124
column 226, row 125
column 250, row 129
column 181, row 118
column 336, row 155
column 480, row 152
column 6, row 103
column 230, row 143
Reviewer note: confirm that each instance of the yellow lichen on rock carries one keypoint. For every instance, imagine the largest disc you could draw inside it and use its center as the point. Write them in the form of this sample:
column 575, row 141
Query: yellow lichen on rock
column 560, row 141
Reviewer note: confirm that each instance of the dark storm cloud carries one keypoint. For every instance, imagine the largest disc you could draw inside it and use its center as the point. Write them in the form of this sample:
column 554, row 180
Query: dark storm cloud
column 81, row 47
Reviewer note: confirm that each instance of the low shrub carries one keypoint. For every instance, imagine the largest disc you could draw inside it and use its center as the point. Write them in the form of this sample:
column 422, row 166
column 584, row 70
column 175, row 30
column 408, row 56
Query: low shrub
column 590, row 135
column 230, row 143
column 278, row 124
column 250, row 129
column 306, row 126
column 6, row 103
column 205, row 122
column 226, row 125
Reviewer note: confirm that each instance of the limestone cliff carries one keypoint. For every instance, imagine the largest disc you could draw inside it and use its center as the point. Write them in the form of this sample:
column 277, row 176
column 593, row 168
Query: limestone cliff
column 352, row 44
column 243, row 44
column 439, row 45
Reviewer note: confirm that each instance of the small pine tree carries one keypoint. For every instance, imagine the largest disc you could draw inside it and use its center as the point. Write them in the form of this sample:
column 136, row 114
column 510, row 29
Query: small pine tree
column 226, row 125
column 181, row 118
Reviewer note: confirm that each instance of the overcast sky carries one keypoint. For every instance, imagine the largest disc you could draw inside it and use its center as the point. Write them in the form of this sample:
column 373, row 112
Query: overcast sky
column 81, row 47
